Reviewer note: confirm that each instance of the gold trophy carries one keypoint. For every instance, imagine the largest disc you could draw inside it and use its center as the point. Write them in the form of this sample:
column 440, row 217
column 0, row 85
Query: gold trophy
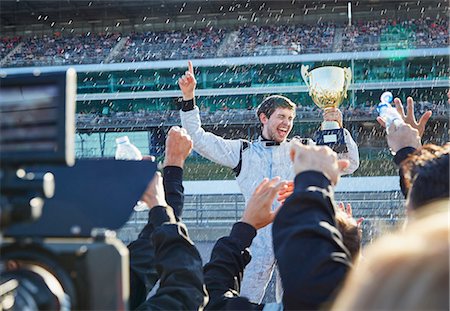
column 328, row 88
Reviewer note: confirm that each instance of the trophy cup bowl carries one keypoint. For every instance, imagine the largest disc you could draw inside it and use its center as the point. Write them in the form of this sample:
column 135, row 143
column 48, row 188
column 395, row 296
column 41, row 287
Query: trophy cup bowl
column 328, row 87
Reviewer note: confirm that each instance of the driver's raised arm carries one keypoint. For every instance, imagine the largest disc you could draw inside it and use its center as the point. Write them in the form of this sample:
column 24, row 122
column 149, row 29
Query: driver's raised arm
column 222, row 151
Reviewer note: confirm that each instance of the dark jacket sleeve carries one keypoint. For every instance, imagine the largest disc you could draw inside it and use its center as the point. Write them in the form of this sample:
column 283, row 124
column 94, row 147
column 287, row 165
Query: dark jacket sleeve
column 311, row 256
column 173, row 188
column 178, row 264
column 223, row 273
column 399, row 157
column 143, row 275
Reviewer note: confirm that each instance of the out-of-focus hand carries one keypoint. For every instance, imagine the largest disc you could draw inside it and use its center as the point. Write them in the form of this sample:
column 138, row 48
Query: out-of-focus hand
column 187, row 83
column 178, row 147
column 403, row 135
column 409, row 117
column 154, row 194
column 349, row 214
column 333, row 114
column 258, row 211
column 285, row 191
column 317, row 158
column 148, row 158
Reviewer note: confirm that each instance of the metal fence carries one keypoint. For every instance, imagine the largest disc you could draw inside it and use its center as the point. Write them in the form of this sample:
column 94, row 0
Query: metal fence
column 382, row 212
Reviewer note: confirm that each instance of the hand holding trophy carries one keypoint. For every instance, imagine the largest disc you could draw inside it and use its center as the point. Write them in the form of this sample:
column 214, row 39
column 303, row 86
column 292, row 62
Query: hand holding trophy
column 328, row 88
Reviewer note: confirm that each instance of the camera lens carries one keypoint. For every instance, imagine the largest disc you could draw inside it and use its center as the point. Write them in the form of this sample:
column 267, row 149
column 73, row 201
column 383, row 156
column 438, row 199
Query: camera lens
column 31, row 279
column 31, row 287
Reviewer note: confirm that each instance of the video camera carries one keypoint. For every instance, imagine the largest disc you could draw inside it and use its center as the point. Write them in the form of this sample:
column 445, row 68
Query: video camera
column 57, row 248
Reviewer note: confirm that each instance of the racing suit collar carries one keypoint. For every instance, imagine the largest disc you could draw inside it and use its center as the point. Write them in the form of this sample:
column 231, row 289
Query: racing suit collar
column 268, row 142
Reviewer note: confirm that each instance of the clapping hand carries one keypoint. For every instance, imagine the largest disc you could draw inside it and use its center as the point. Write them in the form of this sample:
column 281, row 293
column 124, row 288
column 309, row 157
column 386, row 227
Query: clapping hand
column 258, row 211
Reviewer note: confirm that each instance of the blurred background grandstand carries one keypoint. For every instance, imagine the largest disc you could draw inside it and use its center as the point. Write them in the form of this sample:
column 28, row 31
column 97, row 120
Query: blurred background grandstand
column 129, row 54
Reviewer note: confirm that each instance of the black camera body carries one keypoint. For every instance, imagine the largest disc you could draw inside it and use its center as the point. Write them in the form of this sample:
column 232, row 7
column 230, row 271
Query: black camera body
column 58, row 250
column 81, row 274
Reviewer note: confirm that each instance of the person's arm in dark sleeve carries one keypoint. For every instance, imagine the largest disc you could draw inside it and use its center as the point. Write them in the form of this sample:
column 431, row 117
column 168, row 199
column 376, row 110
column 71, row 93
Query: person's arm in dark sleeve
column 223, row 273
column 143, row 275
column 311, row 256
column 173, row 188
column 399, row 157
column 178, row 263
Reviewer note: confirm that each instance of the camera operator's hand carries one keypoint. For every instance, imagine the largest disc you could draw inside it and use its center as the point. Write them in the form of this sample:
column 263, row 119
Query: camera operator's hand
column 154, row 194
column 317, row 158
column 333, row 114
column 187, row 83
column 178, row 147
column 258, row 212
column 409, row 117
column 401, row 136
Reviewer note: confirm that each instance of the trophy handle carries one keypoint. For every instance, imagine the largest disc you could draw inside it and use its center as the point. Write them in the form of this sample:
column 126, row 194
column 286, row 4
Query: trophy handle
column 347, row 79
column 305, row 75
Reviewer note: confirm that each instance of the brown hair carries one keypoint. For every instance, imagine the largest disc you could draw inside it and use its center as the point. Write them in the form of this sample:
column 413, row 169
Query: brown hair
column 271, row 103
column 426, row 174
column 351, row 233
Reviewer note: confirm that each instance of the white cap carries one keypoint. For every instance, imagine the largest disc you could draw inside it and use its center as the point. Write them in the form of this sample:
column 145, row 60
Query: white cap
column 387, row 97
column 122, row 139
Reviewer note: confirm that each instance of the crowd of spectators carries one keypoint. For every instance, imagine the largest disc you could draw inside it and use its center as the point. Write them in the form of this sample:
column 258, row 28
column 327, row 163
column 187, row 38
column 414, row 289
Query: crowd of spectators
column 7, row 45
column 364, row 36
column 150, row 46
column 429, row 33
column 395, row 34
column 275, row 40
column 234, row 116
column 60, row 49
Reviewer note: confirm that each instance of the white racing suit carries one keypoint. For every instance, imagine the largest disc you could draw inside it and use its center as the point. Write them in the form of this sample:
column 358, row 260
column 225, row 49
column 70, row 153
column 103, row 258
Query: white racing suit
column 252, row 162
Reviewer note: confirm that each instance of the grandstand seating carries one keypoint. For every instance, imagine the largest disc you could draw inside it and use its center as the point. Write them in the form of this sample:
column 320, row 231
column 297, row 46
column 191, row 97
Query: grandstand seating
column 59, row 49
column 276, row 40
column 149, row 46
column 7, row 45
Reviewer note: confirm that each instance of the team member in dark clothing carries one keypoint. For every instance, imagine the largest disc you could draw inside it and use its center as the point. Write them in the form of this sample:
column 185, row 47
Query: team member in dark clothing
column 163, row 249
column 230, row 255
column 311, row 256
column 309, row 249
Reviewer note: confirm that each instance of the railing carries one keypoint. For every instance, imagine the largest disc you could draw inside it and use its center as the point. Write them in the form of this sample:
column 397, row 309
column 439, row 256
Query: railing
column 382, row 211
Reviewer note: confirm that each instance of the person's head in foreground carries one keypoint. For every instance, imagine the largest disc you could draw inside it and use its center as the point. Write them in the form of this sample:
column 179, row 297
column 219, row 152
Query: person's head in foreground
column 426, row 175
column 408, row 270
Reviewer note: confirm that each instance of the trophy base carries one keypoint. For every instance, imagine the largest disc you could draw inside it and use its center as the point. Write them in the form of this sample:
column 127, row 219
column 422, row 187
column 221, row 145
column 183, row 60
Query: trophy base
column 332, row 138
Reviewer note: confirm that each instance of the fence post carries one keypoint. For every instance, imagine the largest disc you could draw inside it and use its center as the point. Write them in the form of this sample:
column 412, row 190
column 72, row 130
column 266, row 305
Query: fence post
column 236, row 215
column 196, row 210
